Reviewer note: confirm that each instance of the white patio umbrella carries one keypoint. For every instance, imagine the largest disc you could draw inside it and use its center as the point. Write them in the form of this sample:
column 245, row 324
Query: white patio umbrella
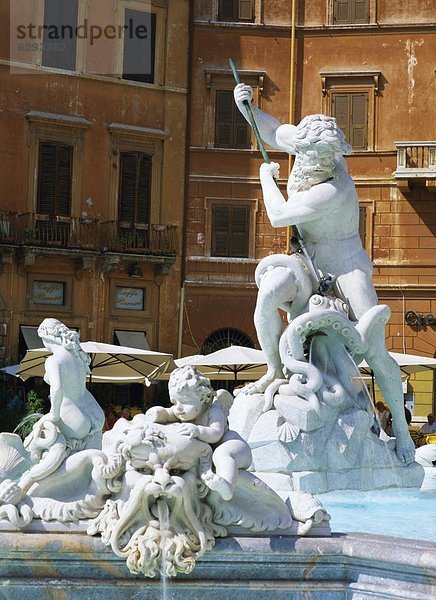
column 236, row 363
column 408, row 363
column 109, row 363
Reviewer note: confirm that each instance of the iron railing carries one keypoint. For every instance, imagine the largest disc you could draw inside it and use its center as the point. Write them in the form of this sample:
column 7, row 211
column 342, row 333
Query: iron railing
column 56, row 231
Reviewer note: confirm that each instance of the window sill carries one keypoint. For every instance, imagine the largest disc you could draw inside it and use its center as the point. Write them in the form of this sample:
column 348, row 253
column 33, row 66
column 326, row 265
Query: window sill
column 114, row 79
column 223, row 259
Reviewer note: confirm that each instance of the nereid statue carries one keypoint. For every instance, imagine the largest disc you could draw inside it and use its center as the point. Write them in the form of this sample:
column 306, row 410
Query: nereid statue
column 158, row 489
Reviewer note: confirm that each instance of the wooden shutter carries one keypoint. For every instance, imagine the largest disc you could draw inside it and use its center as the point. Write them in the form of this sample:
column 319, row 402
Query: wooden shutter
column 231, row 129
column 351, row 112
column 230, row 232
column 220, row 230
column 342, row 11
column 54, row 179
column 60, row 39
column 127, row 198
column 144, row 190
column 223, row 121
column 226, row 10
column 239, row 231
column 135, row 187
column 245, row 10
column 359, row 121
column 341, row 112
column 360, row 11
column 350, row 11
column 362, row 224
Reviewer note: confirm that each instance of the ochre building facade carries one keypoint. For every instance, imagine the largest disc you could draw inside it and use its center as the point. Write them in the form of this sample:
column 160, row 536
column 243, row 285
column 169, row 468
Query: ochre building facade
column 92, row 169
column 371, row 64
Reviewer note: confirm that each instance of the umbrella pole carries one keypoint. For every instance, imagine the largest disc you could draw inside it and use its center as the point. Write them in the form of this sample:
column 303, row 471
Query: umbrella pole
column 373, row 386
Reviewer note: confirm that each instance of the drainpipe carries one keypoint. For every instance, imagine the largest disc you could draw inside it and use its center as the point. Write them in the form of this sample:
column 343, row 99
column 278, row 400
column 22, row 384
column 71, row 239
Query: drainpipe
column 291, row 103
column 186, row 194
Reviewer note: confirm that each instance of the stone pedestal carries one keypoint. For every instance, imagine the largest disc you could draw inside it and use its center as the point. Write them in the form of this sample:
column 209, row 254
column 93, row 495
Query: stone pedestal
column 293, row 450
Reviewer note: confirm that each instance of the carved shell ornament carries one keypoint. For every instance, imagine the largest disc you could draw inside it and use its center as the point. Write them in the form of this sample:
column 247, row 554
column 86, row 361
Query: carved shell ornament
column 14, row 458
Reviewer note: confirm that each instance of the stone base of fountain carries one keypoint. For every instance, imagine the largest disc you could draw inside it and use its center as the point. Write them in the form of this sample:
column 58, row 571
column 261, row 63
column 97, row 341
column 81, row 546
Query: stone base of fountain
column 293, row 451
column 74, row 566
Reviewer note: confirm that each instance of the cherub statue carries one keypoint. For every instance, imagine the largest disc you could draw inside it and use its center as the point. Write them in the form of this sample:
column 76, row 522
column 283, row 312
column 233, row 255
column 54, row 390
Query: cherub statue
column 322, row 202
column 201, row 413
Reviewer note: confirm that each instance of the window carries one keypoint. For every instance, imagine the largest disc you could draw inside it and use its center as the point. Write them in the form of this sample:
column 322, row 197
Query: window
column 136, row 159
column 366, row 212
column 225, row 127
column 350, row 11
column 224, row 338
column 54, row 178
column 56, row 156
column 139, row 46
column 231, row 129
column 351, row 98
column 135, row 187
column 59, row 39
column 351, row 112
column 236, row 10
column 230, row 231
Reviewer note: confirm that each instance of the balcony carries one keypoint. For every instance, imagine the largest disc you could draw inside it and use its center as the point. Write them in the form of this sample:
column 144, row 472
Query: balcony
column 56, row 234
column 416, row 161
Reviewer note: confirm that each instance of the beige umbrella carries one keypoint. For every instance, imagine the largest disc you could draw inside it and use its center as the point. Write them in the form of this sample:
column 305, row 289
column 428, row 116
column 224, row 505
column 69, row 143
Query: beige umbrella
column 408, row 363
column 236, row 363
column 109, row 363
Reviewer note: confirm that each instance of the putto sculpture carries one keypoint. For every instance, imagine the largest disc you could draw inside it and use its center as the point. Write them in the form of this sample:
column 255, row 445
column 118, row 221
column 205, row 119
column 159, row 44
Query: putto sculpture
column 312, row 383
column 158, row 489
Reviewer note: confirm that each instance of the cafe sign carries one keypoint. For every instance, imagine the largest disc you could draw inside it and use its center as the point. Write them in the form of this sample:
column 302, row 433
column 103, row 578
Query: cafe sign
column 49, row 292
column 128, row 298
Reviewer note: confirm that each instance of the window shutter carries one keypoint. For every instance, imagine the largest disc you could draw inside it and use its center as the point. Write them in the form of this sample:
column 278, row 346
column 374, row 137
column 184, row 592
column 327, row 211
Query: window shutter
column 362, row 224
column 239, row 232
column 226, row 11
column 341, row 112
column 46, row 179
column 127, row 186
column 223, row 129
column 144, row 190
column 64, row 180
column 245, row 12
column 341, row 11
column 220, row 230
column 135, row 187
column 231, row 129
column 54, row 179
column 359, row 121
column 361, row 11
column 242, row 137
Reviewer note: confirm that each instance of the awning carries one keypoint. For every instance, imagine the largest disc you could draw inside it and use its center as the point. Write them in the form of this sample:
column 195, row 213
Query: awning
column 31, row 337
column 132, row 339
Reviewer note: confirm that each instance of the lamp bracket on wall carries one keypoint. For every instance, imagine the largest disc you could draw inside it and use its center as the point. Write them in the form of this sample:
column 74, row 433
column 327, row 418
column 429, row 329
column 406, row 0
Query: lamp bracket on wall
column 412, row 318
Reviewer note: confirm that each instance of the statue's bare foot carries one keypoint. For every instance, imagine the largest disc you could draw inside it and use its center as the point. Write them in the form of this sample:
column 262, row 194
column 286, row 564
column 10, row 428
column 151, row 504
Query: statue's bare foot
column 218, row 484
column 10, row 492
column 259, row 386
column 404, row 447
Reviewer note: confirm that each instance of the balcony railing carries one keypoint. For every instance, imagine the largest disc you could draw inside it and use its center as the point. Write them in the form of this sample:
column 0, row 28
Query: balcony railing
column 416, row 160
column 55, row 231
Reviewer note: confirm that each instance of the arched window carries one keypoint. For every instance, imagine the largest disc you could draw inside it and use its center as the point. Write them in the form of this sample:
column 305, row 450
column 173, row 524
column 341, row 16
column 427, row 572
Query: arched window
column 223, row 338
